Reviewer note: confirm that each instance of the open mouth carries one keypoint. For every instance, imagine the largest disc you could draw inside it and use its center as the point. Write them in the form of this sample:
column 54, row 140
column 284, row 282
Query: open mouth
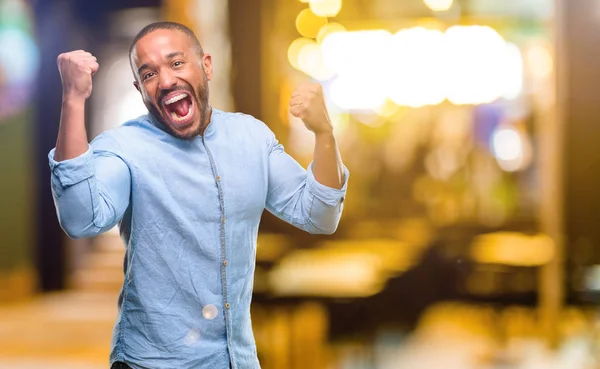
column 179, row 107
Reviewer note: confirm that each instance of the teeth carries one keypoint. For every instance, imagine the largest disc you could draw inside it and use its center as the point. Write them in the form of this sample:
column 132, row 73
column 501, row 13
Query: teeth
column 175, row 99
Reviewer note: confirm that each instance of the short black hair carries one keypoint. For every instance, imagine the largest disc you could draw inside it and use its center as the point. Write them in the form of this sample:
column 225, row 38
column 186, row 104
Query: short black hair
column 166, row 25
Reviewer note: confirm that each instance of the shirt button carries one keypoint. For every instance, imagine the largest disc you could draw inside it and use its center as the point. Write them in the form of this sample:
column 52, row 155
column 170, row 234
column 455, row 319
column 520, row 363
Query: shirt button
column 225, row 262
column 227, row 306
column 223, row 219
column 218, row 178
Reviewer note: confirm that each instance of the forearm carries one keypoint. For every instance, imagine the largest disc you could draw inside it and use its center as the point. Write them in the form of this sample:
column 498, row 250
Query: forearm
column 72, row 138
column 310, row 199
column 327, row 162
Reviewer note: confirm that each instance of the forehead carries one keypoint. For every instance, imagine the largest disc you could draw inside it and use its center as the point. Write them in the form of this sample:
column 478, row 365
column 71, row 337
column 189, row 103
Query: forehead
column 160, row 43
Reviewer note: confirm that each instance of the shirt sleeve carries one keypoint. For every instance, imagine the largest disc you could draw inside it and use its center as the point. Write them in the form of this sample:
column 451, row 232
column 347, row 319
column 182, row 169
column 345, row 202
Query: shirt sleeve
column 91, row 192
column 298, row 198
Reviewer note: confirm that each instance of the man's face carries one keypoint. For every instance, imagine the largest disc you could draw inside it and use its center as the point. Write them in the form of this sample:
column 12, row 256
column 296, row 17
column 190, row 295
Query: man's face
column 173, row 80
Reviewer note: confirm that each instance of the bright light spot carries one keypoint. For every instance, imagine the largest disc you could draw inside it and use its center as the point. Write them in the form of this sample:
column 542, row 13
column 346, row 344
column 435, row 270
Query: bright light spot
column 343, row 276
column 19, row 56
column 439, row 5
column 508, row 148
column 294, row 51
column 513, row 72
column 192, row 337
column 328, row 29
column 308, row 23
column 415, row 69
column 511, row 248
column 326, row 8
column 507, row 144
column 309, row 58
column 357, row 94
column 361, row 81
column 539, row 61
column 340, row 51
column 210, row 312
column 310, row 61
column 475, row 58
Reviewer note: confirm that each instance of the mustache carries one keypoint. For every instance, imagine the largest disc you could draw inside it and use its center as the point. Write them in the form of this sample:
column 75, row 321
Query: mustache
column 165, row 92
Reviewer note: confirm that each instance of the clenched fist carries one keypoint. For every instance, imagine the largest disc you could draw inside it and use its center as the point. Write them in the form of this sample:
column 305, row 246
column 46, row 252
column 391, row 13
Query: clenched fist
column 308, row 104
column 76, row 71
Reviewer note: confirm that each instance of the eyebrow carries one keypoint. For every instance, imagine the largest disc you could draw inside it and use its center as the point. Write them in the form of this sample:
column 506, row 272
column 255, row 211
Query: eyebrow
column 144, row 66
column 169, row 56
column 174, row 54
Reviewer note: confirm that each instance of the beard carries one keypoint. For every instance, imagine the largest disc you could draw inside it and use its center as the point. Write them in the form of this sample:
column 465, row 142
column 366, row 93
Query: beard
column 200, row 101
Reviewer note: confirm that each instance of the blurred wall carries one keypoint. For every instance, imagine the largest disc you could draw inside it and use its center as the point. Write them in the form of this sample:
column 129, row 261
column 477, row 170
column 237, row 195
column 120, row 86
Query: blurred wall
column 18, row 65
column 62, row 25
column 580, row 96
column 17, row 277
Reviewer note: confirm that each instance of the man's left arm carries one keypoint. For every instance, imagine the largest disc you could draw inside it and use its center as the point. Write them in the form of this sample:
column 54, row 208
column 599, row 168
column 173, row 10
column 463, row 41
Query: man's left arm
column 311, row 199
column 308, row 104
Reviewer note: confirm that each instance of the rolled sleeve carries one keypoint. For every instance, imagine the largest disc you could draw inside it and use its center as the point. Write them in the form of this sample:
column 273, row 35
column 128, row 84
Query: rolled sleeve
column 328, row 195
column 72, row 171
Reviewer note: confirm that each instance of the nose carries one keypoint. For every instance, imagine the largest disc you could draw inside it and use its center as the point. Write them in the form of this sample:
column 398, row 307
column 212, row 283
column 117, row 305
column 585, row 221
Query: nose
column 166, row 80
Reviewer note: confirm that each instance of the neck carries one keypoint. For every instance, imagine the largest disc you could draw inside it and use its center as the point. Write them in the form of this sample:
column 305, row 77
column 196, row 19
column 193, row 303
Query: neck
column 206, row 119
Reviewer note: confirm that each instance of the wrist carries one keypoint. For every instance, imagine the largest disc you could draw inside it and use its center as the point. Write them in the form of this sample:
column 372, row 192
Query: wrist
column 326, row 133
column 72, row 98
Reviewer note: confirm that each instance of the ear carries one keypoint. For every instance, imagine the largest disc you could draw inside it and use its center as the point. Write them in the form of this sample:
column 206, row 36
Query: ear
column 207, row 64
column 137, row 86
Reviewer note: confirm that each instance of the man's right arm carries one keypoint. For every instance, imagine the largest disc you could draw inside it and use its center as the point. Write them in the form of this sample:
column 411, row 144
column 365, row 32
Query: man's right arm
column 76, row 70
column 90, row 183
column 91, row 191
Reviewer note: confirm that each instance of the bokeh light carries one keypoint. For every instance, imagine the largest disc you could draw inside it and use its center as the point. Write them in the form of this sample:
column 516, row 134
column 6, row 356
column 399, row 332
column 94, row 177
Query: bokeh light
column 475, row 58
column 415, row 69
column 210, row 312
column 308, row 23
column 439, row 5
column 328, row 29
column 326, row 8
column 361, row 77
column 294, row 50
column 511, row 148
column 19, row 57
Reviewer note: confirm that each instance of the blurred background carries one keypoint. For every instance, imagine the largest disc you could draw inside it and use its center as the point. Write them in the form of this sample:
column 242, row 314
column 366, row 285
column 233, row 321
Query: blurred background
column 470, row 236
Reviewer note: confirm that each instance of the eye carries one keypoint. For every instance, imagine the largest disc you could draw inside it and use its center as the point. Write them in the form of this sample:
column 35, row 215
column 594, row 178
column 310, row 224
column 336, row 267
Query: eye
column 177, row 63
column 147, row 75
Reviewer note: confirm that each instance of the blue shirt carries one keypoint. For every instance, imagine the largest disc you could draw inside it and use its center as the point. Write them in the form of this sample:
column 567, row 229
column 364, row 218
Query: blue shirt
column 188, row 212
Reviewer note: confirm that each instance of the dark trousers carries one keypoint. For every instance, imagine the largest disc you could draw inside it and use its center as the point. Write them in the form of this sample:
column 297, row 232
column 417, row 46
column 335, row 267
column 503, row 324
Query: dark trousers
column 120, row 365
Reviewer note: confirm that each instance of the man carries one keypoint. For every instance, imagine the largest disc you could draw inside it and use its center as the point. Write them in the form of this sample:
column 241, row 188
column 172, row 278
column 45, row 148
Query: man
column 187, row 184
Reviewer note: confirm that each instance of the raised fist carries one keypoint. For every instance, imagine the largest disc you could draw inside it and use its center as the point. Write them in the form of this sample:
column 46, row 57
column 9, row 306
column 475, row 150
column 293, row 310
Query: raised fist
column 308, row 104
column 76, row 71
